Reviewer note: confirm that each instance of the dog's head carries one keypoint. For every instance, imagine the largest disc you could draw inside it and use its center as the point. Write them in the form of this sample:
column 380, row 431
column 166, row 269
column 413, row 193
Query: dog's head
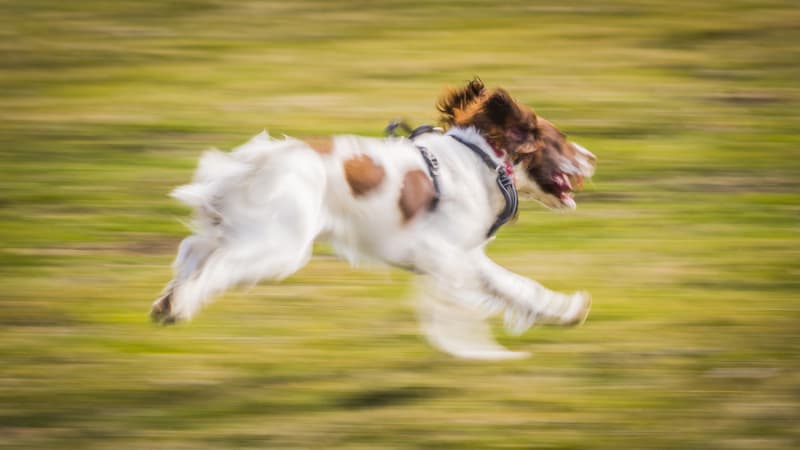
column 546, row 165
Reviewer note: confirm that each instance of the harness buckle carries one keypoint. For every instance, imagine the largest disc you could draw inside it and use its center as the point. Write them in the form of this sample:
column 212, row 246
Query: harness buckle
column 430, row 158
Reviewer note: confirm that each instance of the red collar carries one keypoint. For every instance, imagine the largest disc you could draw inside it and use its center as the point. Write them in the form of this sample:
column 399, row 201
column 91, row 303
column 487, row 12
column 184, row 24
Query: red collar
column 500, row 153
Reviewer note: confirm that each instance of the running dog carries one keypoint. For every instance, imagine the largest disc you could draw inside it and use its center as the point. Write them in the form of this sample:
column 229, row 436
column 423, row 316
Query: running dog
column 428, row 203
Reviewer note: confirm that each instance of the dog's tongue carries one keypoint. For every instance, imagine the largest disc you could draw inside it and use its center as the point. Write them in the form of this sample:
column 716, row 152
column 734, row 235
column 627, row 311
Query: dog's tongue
column 562, row 180
column 564, row 189
column 566, row 181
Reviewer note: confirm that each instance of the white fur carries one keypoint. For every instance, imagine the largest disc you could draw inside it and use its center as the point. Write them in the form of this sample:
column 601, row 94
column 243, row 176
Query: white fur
column 260, row 208
column 586, row 168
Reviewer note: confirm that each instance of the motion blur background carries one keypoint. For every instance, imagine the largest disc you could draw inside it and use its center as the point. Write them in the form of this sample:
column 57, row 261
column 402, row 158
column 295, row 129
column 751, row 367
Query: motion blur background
column 687, row 238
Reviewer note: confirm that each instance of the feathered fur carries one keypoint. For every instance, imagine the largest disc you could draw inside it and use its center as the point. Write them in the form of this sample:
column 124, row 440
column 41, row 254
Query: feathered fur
column 457, row 99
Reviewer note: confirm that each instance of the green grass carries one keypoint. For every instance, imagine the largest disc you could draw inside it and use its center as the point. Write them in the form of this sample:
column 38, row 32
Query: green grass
column 687, row 237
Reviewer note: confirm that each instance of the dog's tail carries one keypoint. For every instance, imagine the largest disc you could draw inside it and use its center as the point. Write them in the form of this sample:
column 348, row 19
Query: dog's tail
column 220, row 177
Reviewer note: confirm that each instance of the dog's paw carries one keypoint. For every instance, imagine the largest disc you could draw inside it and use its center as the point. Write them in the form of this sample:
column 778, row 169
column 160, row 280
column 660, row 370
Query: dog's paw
column 579, row 305
column 161, row 311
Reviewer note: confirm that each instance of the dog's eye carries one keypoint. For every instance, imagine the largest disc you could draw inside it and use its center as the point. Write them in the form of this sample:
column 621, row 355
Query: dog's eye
column 521, row 132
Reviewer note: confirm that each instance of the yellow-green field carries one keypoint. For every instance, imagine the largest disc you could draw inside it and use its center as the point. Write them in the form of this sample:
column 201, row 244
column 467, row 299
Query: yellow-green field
column 688, row 237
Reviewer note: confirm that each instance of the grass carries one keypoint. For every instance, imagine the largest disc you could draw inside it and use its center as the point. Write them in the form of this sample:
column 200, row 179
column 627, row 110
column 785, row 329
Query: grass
column 687, row 237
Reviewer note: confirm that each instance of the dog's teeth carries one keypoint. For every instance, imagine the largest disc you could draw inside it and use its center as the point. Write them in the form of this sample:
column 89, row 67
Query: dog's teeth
column 562, row 180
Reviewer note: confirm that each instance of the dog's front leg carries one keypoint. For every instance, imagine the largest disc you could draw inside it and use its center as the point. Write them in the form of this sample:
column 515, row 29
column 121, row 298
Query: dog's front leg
column 528, row 302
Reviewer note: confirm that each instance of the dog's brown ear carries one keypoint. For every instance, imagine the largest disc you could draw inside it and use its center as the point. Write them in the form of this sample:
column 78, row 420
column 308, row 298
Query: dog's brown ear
column 517, row 124
column 457, row 99
column 500, row 108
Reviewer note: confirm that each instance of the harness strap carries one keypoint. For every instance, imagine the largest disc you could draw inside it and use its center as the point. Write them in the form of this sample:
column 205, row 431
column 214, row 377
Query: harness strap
column 430, row 159
column 433, row 171
column 391, row 129
column 505, row 182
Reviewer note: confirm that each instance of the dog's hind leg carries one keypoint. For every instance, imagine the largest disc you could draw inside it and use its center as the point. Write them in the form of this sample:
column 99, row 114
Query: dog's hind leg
column 264, row 228
column 235, row 265
column 192, row 254
column 284, row 248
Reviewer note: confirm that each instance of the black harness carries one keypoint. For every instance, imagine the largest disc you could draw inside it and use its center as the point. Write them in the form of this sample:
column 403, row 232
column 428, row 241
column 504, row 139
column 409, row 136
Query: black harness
column 505, row 181
column 430, row 159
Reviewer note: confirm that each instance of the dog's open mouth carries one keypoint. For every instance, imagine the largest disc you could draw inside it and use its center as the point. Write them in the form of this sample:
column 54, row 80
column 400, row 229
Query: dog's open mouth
column 562, row 186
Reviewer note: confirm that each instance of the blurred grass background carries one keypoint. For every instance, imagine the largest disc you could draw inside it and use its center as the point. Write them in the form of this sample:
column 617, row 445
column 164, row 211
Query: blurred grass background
column 687, row 238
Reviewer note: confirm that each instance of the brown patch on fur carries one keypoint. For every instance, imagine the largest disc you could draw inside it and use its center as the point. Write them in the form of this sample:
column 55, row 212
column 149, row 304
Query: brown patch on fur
column 417, row 193
column 362, row 174
column 321, row 145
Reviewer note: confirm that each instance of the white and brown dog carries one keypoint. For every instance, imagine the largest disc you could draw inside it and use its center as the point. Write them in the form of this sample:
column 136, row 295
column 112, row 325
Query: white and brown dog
column 428, row 205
